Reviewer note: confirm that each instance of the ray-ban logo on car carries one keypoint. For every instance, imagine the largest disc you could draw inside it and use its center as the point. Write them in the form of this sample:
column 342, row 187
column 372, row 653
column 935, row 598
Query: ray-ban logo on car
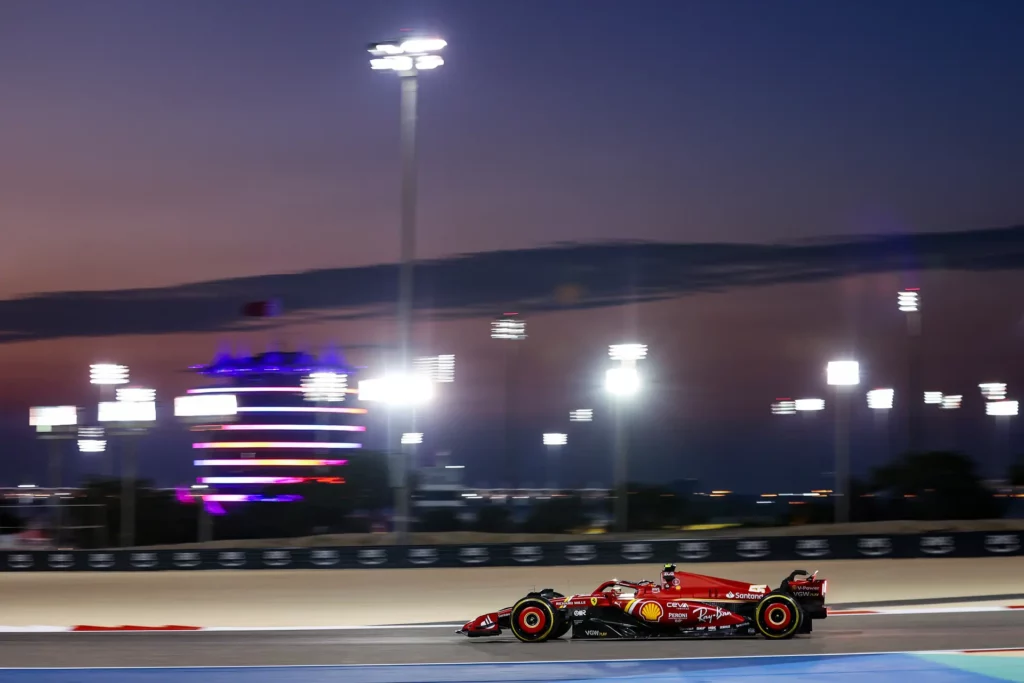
column 527, row 553
column 874, row 547
column 20, row 561
column 693, row 550
column 1002, row 543
column 753, row 549
column 637, row 552
column 60, row 560
column 580, row 553
column 101, row 560
column 812, row 547
column 277, row 558
column 422, row 555
column 142, row 560
column 474, row 555
column 231, row 558
column 372, row 556
column 937, row 545
column 186, row 559
column 324, row 558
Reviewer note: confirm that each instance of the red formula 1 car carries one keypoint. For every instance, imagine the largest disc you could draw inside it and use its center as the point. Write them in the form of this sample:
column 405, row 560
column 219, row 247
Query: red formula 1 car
column 682, row 605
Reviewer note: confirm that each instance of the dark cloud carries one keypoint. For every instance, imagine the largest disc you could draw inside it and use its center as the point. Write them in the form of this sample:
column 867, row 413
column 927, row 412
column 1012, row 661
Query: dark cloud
column 554, row 277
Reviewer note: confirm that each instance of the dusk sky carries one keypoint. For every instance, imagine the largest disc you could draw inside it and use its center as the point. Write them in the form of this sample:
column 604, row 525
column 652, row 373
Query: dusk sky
column 151, row 151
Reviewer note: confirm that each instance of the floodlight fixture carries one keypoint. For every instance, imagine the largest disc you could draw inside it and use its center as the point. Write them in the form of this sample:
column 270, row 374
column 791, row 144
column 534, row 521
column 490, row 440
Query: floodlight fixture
column 784, row 406
column 627, row 352
column 121, row 411
column 108, row 373
column 622, row 381
column 809, row 404
column 951, row 401
column 407, row 57
column 52, row 416
column 397, row 390
column 843, row 373
column 92, row 445
column 412, row 438
column 509, row 327
column 440, row 369
column 933, row 398
column 206, row 405
column 908, row 300
column 135, row 395
column 1002, row 408
column 581, row 415
column 881, row 399
column 325, row 387
column 553, row 439
column 993, row 391
column 91, row 432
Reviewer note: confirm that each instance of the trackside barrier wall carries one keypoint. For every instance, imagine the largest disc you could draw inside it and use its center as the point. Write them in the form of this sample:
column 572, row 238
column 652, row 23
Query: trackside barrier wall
column 682, row 551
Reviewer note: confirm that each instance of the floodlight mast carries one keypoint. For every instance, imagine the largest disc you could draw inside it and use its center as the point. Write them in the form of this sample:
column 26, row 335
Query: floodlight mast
column 908, row 301
column 842, row 374
column 406, row 58
column 623, row 382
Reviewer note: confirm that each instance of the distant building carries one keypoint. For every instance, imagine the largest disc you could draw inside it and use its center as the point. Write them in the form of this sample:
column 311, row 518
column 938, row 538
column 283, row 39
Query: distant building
column 297, row 420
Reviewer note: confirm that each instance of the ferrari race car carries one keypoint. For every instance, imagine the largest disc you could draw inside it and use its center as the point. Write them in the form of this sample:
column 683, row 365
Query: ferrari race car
column 682, row 605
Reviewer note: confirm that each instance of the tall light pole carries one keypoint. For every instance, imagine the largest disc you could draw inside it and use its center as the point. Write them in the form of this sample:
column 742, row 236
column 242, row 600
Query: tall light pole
column 108, row 376
column 406, row 58
column 1003, row 409
column 553, row 441
column 623, row 382
column 842, row 374
column 909, row 302
column 509, row 328
column 132, row 414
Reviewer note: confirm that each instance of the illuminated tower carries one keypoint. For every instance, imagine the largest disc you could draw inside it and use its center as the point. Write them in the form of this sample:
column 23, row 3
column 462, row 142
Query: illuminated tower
column 296, row 420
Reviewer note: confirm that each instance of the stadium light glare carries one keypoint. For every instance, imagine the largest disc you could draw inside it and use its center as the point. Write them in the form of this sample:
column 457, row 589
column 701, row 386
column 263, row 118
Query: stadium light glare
column 212, row 405
column 993, row 391
column 398, row 390
column 108, row 374
column 627, row 352
column 412, row 438
column 784, row 406
column 908, row 300
column 53, row 416
column 933, row 398
column 581, row 415
column 951, row 401
column 509, row 328
column 624, row 381
column 881, row 399
column 843, row 373
column 553, row 439
column 325, row 387
column 809, row 404
column 1002, row 408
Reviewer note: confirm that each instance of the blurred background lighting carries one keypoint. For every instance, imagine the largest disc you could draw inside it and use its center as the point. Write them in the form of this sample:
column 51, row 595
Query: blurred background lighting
column 627, row 352
column 108, row 373
column 784, row 406
column 581, row 415
column 325, row 387
column 624, row 381
column 135, row 395
column 993, row 391
column 410, row 438
column 809, row 404
column 399, row 390
column 92, row 445
column 1004, row 408
column 508, row 327
column 933, row 398
column 843, row 373
column 908, row 300
column 881, row 399
column 951, row 401
column 214, row 405
column 555, row 439
column 440, row 369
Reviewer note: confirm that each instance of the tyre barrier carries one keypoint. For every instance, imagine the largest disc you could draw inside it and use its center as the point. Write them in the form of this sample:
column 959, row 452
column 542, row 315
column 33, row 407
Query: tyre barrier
column 778, row 548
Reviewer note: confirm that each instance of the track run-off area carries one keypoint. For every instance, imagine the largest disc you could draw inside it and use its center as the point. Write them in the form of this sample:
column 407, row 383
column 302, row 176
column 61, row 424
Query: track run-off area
column 270, row 642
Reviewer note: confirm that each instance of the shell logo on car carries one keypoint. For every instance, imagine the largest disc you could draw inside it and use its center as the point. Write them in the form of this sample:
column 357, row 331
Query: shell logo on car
column 651, row 611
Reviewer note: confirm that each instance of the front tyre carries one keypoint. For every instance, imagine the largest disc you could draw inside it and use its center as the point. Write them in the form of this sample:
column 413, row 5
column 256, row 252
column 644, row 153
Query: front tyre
column 533, row 620
column 778, row 616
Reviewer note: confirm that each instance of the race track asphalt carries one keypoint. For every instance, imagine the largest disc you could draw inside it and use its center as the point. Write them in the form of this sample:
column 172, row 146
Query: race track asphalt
column 419, row 645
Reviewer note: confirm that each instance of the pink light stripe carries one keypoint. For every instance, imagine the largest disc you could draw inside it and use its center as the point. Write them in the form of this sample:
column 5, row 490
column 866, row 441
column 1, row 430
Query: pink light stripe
column 238, row 390
column 291, row 409
column 276, row 462
column 272, row 428
column 274, row 444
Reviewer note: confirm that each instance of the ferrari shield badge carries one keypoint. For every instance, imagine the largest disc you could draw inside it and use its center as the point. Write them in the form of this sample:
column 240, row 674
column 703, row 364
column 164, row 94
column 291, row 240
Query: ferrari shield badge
column 593, row 602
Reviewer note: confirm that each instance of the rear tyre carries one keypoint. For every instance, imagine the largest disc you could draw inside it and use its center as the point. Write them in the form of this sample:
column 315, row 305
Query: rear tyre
column 778, row 616
column 533, row 620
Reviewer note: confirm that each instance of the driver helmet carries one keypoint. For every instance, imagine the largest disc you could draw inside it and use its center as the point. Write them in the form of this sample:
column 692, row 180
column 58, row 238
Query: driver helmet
column 668, row 574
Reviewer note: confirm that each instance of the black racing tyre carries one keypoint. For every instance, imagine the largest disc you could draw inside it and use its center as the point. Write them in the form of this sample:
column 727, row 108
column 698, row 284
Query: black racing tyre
column 533, row 620
column 562, row 628
column 778, row 616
